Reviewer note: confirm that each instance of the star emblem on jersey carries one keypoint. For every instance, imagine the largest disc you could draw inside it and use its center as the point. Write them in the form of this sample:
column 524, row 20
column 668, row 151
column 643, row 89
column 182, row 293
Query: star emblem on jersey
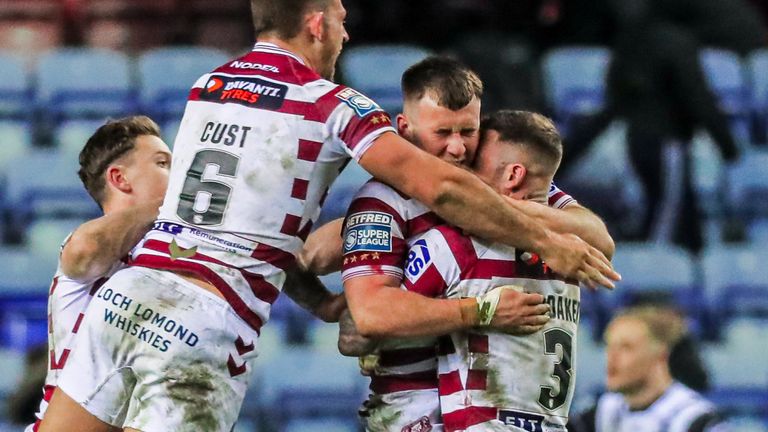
column 381, row 118
column 179, row 252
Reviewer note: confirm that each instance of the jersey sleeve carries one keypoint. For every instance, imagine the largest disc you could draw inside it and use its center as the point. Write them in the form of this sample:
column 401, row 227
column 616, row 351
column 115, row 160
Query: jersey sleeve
column 356, row 121
column 557, row 198
column 431, row 268
column 374, row 243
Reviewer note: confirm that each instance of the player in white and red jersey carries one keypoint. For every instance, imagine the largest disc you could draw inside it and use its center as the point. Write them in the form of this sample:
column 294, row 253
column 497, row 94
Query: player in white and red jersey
column 492, row 381
column 261, row 140
column 442, row 116
column 124, row 166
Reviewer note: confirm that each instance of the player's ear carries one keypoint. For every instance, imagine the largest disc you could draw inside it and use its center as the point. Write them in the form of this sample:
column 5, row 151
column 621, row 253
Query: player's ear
column 513, row 178
column 402, row 124
column 316, row 24
column 115, row 177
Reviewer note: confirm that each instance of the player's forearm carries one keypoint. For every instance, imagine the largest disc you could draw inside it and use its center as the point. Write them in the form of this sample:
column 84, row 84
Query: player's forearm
column 467, row 202
column 322, row 253
column 351, row 342
column 391, row 312
column 573, row 219
column 306, row 290
column 456, row 195
column 96, row 245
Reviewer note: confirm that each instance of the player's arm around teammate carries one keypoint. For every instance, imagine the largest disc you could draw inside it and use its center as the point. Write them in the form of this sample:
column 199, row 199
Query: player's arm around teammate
column 460, row 198
column 96, row 245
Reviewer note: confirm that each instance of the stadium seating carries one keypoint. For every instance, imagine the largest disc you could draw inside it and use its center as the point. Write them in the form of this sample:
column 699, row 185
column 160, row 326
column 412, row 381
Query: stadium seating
column 736, row 280
column 375, row 70
column 328, row 384
column 737, row 359
column 748, row 186
column 655, row 270
column 341, row 192
column 83, row 82
column 15, row 139
column 70, row 136
column 727, row 78
column 574, row 81
column 167, row 74
column 15, row 87
column 757, row 66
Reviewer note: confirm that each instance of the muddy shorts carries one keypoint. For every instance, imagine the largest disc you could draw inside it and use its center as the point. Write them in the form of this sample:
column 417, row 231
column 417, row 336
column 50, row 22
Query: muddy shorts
column 159, row 354
column 405, row 411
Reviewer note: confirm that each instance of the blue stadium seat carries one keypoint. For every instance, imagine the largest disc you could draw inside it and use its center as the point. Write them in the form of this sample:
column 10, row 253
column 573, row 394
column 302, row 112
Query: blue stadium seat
column 84, row 82
column 21, row 272
column 748, row 185
column 300, row 382
column 757, row 65
column 167, row 74
column 727, row 78
column 322, row 424
column 574, row 81
column 656, row 272
column 736, row 280
column 375, row 70
column 343, row 189
column 70, row 136
column 58, row 193
column 15, row 87
column 15, row 139
column 737, row 359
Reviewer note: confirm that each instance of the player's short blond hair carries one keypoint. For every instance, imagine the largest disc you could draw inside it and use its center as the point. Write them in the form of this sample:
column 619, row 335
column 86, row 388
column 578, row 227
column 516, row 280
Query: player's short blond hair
column 450, row 82
column 665, row 325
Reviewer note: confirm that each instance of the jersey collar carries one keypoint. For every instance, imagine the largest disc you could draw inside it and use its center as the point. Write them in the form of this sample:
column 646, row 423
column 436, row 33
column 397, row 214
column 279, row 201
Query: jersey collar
column 274, row 49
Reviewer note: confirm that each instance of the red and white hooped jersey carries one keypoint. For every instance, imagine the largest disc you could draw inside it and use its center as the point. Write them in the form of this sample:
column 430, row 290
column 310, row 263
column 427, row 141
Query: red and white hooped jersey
column 487, row 379
column 380, row 226
column 261, row 140
column 67, row 301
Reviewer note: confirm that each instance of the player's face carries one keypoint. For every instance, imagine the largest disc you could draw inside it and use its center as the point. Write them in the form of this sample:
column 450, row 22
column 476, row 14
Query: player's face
column 336, row 36
column 449, row 135
column 147, row 168
column 495, row 160
column 632, row 355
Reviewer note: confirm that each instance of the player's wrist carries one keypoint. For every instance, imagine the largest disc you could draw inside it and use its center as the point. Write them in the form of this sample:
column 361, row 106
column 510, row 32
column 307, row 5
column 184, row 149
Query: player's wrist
column 469, row 309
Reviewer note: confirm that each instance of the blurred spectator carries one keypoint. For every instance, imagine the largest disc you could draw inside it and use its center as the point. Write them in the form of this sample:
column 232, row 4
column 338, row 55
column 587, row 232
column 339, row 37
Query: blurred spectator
column 23, row 403
column 656, row 84
column 643, row 395
column 732, row 24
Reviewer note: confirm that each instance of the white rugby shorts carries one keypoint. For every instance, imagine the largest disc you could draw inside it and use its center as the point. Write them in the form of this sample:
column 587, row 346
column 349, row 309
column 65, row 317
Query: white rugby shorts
column 158, row 354
column 404, row 411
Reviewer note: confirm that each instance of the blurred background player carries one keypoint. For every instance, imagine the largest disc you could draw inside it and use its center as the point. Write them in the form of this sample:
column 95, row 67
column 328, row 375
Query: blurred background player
column 216, row 265
column 490, row 380
column 643, row 394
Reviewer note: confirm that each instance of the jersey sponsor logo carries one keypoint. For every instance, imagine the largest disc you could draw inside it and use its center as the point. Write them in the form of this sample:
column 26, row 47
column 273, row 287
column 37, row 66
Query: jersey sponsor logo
column 255, row 66
column 418, row 259
column 368, row 231
column 525, row 421
column 420, row 425
column 360, row 103
column 252, row 92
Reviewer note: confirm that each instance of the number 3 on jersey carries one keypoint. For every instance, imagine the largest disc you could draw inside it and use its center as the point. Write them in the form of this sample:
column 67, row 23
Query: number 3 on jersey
column 204, row 198
column 563, row 369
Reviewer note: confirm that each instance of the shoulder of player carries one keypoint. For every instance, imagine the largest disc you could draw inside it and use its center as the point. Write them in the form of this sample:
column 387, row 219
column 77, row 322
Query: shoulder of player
column 381, row 194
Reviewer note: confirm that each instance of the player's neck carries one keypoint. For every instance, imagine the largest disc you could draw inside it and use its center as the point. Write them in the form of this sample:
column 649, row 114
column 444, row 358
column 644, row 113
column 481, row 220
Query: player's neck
column 644, row 397
column 293, row 45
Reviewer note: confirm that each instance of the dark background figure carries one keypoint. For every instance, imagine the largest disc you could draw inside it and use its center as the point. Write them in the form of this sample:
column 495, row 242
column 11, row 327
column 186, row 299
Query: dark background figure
column 656, row 84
